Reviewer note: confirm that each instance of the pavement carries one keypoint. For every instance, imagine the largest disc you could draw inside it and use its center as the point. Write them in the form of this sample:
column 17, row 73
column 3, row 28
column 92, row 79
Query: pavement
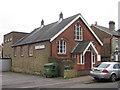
column 19, row 80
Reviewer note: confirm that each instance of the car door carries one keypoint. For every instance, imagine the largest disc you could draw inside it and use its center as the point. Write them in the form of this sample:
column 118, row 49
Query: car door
column 116, row 68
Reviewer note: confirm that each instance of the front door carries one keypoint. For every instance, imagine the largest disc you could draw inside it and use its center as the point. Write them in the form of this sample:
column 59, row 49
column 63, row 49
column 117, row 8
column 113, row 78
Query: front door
column 88, row 60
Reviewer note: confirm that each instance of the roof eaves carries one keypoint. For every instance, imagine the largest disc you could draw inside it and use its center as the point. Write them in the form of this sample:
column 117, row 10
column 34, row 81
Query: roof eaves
column 92, row 31
column 102, row 30
column 64, row 28
column 30, row 42
column 79, row 16
column 74, row 48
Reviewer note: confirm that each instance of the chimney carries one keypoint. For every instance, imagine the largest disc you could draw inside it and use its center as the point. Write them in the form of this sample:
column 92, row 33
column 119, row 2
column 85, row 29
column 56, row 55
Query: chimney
column 42, row 23
column 60, row 16
column 112, row 25
column 95, row 23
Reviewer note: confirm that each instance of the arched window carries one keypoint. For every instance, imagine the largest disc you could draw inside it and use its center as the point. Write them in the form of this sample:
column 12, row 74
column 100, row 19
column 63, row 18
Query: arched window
column 78, row 32
column 61, row 47
column 30, row 50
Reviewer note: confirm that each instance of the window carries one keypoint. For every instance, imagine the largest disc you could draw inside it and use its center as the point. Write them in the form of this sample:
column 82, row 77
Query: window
column 116, row 66
column 15, row 51
column 103, row 65
column 11, row 39
column 116, row 44
column 82, row 59
column 5, row 40
column 61, row 47
column 78, row 32
column 21, row 51
column 93, row 58
column 30, row 50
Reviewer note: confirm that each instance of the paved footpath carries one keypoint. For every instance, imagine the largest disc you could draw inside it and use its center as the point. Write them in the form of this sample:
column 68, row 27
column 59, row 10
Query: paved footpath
column 18, row 80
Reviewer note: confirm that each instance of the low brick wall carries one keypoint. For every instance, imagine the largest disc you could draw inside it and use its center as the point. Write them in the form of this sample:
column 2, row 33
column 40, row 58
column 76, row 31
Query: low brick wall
column 83, row 72
column 70, row 73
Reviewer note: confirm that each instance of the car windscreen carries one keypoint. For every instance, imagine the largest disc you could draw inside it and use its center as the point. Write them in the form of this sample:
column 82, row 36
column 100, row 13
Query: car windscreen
column 104, row 65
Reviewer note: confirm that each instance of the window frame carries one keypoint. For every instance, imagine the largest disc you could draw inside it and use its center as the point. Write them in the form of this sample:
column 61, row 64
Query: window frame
column 21, row 51
column 30, row 50
column 82, row 59
column 93, row 58
column 78, row 32
column 61, row 47
column 116, row 44
column 15, row 51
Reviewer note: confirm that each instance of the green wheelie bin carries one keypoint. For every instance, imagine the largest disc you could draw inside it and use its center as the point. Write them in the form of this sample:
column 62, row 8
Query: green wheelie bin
column 51, row 70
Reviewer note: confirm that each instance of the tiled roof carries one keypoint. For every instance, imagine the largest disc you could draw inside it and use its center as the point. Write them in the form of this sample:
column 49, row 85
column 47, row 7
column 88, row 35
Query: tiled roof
column 45, row 33
column 107, row 30
column 80, row 47
column 51, row 31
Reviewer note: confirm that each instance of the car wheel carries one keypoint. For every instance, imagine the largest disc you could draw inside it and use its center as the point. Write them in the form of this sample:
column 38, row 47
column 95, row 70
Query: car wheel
column 113, row 78
column 95, row 78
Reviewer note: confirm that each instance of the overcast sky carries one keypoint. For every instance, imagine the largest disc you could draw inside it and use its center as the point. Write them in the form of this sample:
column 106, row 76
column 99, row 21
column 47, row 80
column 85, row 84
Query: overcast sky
column 25, row 15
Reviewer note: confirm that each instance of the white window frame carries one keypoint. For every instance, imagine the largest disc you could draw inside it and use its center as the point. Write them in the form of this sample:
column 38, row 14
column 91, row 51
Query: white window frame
column 82, row 59
column 22, row 51
column 61, row 47
column 78, row 32
column 30, row 50
column 15, row 51
column 93, row 57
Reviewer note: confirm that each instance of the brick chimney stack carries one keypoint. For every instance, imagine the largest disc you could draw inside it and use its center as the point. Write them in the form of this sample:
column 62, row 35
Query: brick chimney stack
column 112, row 25
column 42, row 23
column 61, row 16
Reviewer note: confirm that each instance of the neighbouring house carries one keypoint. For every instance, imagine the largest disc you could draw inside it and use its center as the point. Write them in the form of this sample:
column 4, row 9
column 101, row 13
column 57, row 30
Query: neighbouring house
column 9, row 40
column 67, row 38
column 111, row 41
column 1, row 50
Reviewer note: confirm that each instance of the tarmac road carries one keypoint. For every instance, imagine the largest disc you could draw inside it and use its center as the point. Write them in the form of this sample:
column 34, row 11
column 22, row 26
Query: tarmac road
column 18, row 80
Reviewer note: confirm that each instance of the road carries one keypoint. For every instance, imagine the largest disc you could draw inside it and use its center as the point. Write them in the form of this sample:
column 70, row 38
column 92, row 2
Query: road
column 17, row 80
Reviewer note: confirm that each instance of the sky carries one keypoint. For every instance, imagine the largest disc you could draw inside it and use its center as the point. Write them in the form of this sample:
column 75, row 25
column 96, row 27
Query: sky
column 26, row 15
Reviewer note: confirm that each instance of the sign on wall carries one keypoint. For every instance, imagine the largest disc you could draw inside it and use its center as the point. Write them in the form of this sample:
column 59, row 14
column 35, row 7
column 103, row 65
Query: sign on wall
column 39, row 47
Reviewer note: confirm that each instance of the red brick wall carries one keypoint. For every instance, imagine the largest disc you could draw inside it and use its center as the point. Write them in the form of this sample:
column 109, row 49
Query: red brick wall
column 106, row 39
column 68, row 36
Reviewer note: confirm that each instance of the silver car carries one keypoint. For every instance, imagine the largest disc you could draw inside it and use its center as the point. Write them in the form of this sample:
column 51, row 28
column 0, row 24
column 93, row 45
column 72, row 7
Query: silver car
column 106, row 70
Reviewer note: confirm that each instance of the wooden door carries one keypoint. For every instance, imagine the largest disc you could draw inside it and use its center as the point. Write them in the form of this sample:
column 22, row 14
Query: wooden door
column 88, row 60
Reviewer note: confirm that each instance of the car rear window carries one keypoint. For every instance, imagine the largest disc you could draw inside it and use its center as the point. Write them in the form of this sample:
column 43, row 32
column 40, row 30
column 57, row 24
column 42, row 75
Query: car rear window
column 103, row 65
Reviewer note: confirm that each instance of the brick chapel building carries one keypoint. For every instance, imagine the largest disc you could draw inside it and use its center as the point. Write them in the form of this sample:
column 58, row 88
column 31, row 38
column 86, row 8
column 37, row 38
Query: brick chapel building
column 71, row 37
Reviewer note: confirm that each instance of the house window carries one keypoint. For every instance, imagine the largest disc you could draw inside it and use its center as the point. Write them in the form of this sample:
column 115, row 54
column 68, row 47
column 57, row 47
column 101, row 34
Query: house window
column 11, row 39
column 116, row 44
column 30, row 50
column 78, row 32
column 5, row 40
column 21, row 51
column 15, row 51
column 82, row 59
column 61, row 47
column 93, row 58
